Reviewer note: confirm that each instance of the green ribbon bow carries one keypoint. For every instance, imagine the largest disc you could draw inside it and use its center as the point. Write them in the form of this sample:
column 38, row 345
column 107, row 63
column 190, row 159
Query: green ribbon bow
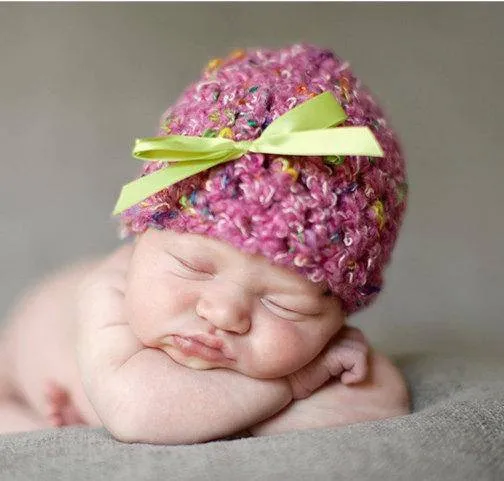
column 303, row 130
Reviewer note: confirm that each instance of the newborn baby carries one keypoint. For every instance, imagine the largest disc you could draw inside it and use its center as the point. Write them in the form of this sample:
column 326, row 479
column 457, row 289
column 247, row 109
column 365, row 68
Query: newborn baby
column 228, row 313
column 225, row 343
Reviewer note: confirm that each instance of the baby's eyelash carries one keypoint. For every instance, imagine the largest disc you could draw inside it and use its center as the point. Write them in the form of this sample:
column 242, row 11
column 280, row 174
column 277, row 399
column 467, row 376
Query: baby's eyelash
column 281, row 307
column 187, row 266
column 276, row 309
column 271, row 306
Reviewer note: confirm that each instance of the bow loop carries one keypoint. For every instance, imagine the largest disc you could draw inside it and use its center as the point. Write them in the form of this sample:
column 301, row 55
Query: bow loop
column 180, row 148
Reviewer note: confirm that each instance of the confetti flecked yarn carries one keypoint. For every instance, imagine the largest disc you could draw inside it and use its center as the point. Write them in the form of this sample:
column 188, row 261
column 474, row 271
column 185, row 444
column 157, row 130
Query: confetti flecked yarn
column 333, row 219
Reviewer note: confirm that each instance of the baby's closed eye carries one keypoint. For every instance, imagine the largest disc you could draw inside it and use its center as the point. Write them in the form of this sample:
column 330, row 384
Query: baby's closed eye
column 181, row 265
column 295, row 307
column 287, row 311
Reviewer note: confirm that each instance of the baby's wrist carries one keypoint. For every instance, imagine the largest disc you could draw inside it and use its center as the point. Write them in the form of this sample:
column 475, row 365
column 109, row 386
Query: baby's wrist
column 298, row 389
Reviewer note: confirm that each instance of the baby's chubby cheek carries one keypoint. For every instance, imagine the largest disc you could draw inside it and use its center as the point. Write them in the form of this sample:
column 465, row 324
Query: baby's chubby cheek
column 279, row 355
column 142, row 315
column 154, row 309
column 138, row 315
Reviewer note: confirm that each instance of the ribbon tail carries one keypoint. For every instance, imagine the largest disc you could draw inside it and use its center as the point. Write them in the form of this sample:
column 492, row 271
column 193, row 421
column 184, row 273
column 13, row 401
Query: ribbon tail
column 139, row 189
column 338, row 141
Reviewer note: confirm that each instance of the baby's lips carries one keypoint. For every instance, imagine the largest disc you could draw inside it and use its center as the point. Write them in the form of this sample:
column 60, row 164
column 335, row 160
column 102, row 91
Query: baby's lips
column 201, row 345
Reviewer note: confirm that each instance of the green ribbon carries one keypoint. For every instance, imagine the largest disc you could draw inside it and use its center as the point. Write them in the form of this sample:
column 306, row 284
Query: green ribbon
column 304, row 130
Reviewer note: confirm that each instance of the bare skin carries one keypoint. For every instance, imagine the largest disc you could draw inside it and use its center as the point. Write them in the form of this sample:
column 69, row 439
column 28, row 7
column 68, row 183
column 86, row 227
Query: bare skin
column 39, row 366
column 43, row 385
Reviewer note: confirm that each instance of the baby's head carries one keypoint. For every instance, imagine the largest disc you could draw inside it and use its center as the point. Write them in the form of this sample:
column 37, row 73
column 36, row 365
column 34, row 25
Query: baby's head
column 312, row 224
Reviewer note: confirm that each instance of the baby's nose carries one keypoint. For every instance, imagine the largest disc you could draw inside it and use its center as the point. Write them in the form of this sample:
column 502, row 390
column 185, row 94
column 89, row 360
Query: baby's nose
column 226, row 307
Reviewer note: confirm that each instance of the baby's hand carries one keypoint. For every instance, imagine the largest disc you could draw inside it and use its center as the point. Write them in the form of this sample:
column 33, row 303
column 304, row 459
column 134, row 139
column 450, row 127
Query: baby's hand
column 345, row 356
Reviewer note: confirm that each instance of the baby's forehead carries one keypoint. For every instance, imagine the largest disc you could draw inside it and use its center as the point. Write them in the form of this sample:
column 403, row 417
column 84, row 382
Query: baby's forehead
column 214, row 253
column 219, row 251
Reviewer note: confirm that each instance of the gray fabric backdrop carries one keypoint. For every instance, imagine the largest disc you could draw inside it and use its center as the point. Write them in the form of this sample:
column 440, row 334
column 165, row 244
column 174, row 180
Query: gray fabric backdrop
column 78, row 82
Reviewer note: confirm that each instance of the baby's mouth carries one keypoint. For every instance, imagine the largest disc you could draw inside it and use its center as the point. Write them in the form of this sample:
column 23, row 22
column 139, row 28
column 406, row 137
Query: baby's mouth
column 209, row 349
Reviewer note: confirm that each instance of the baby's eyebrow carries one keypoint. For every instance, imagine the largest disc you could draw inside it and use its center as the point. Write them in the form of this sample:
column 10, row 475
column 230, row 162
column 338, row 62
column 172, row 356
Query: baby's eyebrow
column 299, row 291
column 200, row 260
column 209, row 257
column 299, row 285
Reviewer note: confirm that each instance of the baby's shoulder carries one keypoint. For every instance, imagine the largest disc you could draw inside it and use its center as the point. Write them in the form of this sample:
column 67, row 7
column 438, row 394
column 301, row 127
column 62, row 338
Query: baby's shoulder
column 68, row 278
column 50, row 300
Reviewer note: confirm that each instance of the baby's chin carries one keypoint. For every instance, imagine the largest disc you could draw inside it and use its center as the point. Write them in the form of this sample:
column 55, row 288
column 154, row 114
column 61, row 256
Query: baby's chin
column 194, row 362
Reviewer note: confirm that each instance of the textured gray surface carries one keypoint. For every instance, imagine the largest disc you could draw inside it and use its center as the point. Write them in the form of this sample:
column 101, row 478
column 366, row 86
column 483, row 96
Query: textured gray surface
column 80, row 81
column 455, row 433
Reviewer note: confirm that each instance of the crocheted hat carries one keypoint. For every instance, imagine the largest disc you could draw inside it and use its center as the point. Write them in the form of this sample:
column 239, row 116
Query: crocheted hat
column 333, row 219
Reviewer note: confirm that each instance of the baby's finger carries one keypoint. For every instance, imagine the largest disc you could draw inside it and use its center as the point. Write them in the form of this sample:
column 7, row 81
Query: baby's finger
column 353, row 344
column 314, row 375
column 355, row 364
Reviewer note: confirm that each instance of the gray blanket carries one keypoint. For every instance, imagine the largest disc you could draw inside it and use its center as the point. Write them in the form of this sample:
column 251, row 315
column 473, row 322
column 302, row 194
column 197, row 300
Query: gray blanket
column 456, row 432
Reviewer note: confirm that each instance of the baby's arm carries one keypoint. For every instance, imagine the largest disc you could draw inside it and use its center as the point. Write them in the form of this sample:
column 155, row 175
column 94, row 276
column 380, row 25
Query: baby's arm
column 152, row 399
column 141, row 394
column 347, row 383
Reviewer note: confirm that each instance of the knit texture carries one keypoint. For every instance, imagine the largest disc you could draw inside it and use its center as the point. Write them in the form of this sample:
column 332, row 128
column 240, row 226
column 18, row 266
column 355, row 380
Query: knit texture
column 333, row 219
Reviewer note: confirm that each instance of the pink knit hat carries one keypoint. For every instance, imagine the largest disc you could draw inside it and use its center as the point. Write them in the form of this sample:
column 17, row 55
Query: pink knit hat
column 332, row 218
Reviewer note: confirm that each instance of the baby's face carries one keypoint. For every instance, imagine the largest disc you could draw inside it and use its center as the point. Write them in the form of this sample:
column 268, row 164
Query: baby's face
column 209, row 305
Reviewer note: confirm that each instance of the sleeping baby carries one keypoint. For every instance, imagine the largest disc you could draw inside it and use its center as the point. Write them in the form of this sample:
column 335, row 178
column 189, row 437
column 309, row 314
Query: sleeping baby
column 267, row 208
